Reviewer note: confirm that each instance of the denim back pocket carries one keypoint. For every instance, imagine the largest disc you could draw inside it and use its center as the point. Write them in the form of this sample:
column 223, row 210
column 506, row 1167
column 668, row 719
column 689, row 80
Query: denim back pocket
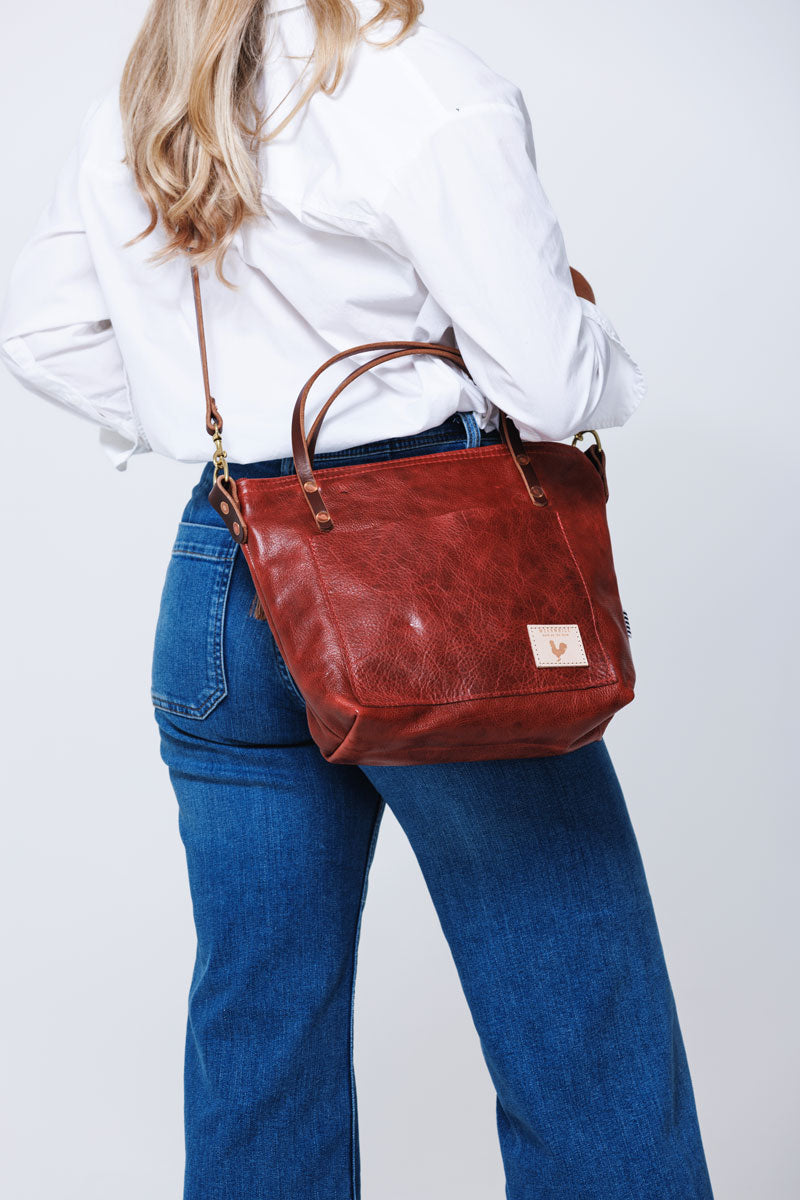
column 188, row 672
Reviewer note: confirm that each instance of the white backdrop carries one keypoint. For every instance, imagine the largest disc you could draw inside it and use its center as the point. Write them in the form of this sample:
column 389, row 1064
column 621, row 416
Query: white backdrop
column 664, row 138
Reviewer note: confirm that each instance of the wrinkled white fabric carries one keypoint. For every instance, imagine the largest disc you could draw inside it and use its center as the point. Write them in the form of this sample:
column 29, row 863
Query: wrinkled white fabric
column 405, row 206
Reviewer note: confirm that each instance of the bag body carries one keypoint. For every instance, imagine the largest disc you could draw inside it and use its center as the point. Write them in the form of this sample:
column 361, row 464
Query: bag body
column 455, row 606
column 406, row 627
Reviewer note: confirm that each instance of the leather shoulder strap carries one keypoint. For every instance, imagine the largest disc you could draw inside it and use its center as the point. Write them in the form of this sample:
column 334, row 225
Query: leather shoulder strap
column 213, row 417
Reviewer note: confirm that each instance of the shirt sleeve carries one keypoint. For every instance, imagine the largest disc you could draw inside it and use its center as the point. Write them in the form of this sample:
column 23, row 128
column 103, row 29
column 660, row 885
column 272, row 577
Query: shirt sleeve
column 56, row 335
column 471, row 215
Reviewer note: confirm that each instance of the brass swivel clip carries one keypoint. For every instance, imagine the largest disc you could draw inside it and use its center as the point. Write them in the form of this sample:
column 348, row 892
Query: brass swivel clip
column 220, row 456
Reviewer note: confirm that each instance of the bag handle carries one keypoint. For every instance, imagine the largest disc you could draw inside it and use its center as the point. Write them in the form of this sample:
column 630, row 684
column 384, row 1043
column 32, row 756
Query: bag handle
column 303, row 444
column 439, row 349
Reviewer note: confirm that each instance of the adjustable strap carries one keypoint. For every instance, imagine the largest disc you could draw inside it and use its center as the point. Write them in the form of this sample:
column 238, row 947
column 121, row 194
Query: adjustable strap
column 213, row 418
column 223, row 495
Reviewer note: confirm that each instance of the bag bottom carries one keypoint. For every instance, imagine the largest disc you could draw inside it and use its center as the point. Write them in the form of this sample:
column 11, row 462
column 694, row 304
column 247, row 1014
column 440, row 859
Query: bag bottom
column 362, row 744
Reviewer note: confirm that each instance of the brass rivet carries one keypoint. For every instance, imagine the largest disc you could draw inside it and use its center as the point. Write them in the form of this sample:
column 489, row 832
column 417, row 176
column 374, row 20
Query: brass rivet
column 310, row 486
column 323, row 516
column 523, row 458
column 237, row 529
column 225, row 507
column 537, row 491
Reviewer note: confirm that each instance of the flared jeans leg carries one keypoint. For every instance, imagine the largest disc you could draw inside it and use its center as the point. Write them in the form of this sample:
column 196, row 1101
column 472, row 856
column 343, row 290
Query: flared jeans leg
column 537, row 879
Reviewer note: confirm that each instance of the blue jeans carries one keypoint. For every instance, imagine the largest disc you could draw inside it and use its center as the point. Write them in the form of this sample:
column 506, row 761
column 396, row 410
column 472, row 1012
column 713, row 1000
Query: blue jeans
column 535, row 874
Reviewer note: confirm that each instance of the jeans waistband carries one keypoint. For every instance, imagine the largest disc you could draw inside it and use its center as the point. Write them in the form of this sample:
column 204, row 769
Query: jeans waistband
column 460, row 431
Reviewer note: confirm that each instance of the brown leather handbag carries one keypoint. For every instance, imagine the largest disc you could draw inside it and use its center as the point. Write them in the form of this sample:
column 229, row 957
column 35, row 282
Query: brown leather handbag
column 453, row 606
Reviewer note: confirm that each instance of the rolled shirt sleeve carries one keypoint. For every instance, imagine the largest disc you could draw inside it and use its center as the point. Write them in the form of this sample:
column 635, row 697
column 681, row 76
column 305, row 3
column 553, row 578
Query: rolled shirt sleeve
column 55, row 333
column 470, row 213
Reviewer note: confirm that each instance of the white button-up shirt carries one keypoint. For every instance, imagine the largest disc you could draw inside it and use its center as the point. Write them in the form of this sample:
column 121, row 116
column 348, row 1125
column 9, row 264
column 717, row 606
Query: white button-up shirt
column 402, row 207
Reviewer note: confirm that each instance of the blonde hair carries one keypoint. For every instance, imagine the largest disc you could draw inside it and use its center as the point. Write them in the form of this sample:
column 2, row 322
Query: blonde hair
column 190, row 116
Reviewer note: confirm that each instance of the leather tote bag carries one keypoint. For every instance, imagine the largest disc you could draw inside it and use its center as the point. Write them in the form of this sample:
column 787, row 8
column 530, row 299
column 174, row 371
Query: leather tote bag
column 453, row 606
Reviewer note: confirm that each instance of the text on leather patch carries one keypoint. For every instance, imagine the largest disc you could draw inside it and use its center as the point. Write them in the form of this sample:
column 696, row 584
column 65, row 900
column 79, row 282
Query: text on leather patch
column 557, row 646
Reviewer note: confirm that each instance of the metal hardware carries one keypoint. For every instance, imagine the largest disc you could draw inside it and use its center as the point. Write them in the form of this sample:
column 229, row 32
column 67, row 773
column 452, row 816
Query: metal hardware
column 220, row 456
column 579, row 437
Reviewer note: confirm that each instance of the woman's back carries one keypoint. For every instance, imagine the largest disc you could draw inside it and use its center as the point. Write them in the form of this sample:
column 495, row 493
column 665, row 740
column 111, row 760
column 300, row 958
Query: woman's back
column 405, row 204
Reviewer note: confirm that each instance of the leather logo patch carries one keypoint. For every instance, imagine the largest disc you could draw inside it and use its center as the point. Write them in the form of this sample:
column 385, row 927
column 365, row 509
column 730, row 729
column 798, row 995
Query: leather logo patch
column 557, row 646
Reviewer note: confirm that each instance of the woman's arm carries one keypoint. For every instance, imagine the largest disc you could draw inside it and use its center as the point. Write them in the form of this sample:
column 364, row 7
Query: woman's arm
column 56, row 335
column 470, row 213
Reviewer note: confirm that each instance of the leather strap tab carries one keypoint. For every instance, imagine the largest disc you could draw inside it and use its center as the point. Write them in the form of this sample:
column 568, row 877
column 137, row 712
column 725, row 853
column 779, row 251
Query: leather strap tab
column 597, row 457
column 522, row 461
column 224, row 497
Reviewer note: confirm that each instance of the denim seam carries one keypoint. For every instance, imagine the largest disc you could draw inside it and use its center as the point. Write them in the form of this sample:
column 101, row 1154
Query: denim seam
column 199, row 525
column 471, row 428
column 373, row 841
column 185, row 544
column 190, row 552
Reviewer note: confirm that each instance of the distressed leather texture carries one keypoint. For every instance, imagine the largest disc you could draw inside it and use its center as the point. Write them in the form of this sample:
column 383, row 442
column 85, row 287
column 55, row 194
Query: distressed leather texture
column 405, row 626
column 401, row 601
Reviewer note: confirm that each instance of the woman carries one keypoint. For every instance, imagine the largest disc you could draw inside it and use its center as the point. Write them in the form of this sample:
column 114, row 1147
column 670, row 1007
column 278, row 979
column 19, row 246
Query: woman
column 354, row 177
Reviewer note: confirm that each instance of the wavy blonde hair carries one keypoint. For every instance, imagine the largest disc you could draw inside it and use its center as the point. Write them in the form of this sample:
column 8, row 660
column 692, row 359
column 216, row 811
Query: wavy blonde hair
column 190, row 116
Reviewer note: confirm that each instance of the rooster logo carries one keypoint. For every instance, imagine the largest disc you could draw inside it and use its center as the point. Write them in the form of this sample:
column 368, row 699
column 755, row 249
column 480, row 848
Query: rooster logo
column 559, row 646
